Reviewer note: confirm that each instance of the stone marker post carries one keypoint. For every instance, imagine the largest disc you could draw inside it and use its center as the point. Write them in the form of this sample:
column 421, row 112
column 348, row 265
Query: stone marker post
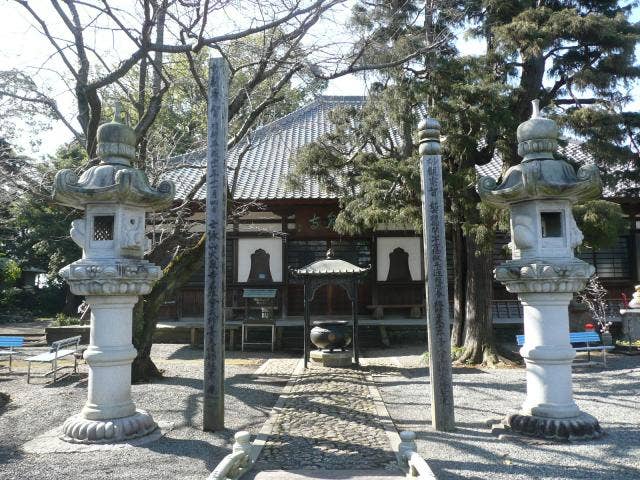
column 216, row 221
column 442, row 414
column 544, row 272
column 112, row 274
column 631, row 318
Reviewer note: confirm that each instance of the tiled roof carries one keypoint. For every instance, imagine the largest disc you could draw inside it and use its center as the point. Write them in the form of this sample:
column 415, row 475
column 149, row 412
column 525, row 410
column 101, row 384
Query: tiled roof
column 265, row 161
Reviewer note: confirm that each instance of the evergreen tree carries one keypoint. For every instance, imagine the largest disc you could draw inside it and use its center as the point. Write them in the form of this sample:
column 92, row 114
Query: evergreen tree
column 34, row 232
column 575, row 56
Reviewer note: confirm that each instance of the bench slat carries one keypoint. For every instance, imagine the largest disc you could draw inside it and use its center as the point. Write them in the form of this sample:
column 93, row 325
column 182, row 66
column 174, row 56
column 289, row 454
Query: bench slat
column 50, row 356
column 599, row 347
column 64, row 342
column 11, row 341
column 574, row 337
column 584, row 337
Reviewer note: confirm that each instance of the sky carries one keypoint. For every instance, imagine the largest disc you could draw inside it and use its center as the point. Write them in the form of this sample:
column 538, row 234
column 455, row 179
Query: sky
column 24, row 47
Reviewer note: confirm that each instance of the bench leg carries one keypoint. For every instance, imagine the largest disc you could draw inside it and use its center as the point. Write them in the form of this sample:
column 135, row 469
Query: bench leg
column 604, row 357
column 243, row 333
column 55, row 369
column 10, row 359
column 28, row 372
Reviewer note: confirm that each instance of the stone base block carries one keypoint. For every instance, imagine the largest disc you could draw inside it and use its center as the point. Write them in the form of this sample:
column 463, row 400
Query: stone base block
column 78, row 429
column 331, row 359
column 582, row 427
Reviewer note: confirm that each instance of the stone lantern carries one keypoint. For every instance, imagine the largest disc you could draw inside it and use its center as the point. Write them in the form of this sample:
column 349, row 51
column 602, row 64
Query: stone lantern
column 112, row 274
column 539, row 193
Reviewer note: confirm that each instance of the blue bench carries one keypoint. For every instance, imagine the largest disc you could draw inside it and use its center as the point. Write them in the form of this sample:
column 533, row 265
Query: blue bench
column 582, row 342
column 7, row 345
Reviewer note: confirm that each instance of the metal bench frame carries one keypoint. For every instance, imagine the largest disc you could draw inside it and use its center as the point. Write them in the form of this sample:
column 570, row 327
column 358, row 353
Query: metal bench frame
column 588, row 338
column 10, row 342
column 53, row 357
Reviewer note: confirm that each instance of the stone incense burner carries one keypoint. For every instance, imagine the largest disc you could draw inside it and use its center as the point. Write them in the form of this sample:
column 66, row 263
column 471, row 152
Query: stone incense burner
column 330, row 334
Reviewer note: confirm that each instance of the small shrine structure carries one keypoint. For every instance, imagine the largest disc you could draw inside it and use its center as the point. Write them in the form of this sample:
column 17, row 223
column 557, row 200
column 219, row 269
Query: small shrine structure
column 336, row 272
column 544, row 273
column 112, row 274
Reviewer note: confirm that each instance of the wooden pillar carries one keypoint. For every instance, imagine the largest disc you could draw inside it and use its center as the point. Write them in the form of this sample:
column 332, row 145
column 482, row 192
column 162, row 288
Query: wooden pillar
column 216, row 219
column 307, row 299
column 633, row 246
column 354, row 307
column 179, row 300
column 285, row 266
column 437, row 295
column 374, row 269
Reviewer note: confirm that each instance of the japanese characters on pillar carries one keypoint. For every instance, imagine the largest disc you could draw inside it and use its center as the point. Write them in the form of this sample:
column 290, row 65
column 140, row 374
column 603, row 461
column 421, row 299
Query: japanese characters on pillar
column 435, row 254
column 112, row 274
column 539, row 193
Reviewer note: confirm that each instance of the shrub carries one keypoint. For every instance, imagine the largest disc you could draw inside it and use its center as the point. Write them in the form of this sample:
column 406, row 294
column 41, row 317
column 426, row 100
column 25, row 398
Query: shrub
column 63, row 320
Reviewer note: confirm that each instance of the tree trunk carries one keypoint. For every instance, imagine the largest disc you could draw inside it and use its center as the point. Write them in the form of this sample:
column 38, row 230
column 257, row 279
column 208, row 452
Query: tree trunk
column 479, row 343
column 145, row 314
column 71, row 302
column 459, row 280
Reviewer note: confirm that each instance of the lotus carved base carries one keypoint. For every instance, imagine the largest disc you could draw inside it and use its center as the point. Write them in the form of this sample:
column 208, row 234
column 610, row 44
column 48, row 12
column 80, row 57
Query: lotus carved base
column 78, row 429
column 582, row 427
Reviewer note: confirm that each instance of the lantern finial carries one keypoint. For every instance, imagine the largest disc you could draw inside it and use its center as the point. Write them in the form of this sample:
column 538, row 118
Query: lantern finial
column 535, row 104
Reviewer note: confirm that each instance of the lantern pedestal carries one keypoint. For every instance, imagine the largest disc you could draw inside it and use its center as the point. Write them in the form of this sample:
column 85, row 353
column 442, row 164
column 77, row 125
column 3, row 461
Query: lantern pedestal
column 545, row 290
column 109, row 414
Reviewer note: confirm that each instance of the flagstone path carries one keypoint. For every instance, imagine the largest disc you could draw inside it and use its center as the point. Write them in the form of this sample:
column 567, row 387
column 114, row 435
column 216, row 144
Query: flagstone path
column 328, row 421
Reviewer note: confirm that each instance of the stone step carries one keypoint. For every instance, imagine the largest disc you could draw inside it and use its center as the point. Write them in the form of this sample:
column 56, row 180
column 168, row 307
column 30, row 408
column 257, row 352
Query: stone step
column 327, row 475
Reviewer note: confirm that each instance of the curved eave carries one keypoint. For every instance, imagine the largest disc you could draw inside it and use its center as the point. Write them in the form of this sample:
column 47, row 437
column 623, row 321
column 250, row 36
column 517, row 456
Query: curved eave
column 307, row 272
column 588, row 185
column 129, row 188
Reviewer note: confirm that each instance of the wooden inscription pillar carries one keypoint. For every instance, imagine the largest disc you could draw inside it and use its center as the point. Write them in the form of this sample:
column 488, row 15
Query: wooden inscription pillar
column 436, row 288
column 216, row 220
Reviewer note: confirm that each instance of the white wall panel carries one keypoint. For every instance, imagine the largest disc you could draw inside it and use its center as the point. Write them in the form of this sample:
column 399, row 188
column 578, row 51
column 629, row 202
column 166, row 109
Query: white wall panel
column 386, row 245
column 247, row 246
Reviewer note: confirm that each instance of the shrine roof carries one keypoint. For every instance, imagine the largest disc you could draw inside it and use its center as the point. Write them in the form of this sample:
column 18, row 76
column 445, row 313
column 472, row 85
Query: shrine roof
column 330, row 267
column 265, row 156
column 263, row 159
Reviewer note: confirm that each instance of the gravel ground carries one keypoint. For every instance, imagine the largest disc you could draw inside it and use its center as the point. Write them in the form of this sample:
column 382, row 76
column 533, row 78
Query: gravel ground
column 610, row 395
column 185, row 452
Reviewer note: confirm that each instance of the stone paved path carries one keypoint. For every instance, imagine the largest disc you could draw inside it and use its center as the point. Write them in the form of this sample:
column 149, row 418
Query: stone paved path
column 328, row 421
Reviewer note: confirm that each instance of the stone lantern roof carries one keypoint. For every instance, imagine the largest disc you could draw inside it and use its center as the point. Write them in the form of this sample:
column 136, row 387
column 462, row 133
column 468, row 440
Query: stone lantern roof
column 540, row 176
column 113, row 180
column 330, row 267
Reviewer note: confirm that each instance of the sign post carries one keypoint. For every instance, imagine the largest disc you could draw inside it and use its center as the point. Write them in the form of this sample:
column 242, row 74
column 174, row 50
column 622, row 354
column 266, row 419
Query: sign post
column 436, row 288
column 216, row 219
